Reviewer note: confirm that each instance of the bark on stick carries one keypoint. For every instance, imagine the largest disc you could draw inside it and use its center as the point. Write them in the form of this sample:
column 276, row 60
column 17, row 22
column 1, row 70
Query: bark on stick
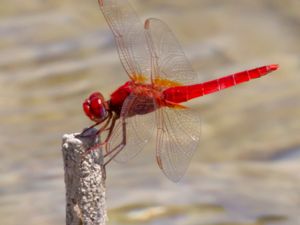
column 84, row 180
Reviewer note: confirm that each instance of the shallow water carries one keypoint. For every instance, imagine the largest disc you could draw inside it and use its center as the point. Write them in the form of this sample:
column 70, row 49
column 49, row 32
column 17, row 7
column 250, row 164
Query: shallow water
column 52, row 55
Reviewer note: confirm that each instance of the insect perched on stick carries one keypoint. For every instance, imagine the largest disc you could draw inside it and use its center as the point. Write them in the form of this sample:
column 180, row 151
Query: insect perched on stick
column 160, row 79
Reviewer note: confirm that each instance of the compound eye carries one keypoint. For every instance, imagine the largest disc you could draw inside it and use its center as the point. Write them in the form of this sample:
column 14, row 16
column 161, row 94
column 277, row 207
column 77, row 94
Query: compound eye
column 96, row 95
column 97, row 108
column 87, row 109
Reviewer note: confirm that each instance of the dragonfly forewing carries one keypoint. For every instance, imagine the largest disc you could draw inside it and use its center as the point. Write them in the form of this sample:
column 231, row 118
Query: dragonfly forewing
column 129, row 35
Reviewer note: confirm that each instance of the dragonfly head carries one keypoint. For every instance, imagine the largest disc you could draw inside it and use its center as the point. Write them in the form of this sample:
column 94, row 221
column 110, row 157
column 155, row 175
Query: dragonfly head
column 95, row 107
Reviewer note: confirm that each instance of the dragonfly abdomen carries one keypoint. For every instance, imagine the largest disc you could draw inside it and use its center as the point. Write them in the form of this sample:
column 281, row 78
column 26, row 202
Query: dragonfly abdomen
column 184, row 93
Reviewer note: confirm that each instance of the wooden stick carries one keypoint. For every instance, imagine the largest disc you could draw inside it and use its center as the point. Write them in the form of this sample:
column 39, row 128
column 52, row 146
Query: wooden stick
column 84, row 180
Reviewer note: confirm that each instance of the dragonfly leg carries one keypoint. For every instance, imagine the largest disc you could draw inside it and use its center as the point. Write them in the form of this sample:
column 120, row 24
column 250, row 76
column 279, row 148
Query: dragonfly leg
column 116, row 150
column 111, row 127
column 112, row 121
column 107, row 119
column 83, row 133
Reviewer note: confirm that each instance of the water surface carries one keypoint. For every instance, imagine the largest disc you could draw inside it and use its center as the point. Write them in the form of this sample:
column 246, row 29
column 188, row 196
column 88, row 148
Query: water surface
column 53, row 54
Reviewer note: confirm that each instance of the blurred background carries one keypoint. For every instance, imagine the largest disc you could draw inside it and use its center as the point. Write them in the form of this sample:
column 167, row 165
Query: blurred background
column 246, row 170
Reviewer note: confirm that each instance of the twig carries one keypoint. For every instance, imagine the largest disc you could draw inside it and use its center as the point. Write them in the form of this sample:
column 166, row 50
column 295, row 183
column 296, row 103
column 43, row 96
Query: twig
column 84, row 180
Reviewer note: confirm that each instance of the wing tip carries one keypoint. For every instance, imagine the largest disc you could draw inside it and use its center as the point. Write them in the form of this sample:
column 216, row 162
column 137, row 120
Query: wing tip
column 147, row 24
column 175, row 178
column 101, row 2
column 149, row 20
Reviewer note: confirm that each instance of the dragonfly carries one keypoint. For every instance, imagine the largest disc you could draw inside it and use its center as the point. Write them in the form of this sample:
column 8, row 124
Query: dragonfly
column 150, row 103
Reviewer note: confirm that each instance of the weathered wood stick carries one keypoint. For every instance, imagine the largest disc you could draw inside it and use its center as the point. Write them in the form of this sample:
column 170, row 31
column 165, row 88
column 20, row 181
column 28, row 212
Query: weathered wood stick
column 84, row 180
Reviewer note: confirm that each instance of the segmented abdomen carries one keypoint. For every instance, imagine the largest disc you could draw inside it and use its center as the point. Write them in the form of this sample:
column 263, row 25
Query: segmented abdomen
column 184, row 93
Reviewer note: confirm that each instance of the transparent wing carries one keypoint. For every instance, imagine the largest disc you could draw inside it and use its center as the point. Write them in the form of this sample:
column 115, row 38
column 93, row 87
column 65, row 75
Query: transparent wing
column 138, row 130
column 178, row 136
column 129, row 35
column 168, row 59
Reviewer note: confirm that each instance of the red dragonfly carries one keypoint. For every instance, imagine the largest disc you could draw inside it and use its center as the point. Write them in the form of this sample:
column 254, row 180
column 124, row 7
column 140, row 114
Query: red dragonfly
column 160, row 79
